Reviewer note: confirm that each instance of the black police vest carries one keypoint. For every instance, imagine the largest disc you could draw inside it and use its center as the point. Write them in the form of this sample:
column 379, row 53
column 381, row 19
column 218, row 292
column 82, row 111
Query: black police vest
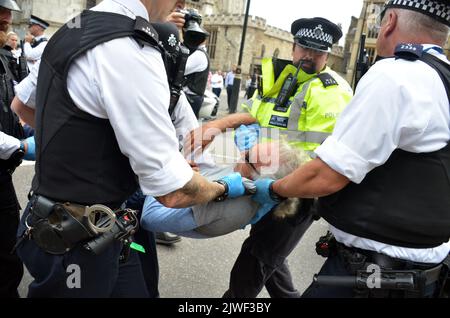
column 197, row 82
column 78, row 157
column 405, row 202
column 35, row 43
column 9, row 122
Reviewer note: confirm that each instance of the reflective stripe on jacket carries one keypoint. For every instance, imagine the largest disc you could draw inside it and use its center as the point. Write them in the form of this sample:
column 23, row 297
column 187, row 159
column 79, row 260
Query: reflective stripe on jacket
column 310, row 114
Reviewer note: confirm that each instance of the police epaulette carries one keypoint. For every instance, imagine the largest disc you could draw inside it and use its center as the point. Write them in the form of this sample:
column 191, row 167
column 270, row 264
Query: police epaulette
column 144, row 31
column 327, row 79
column 410, row 52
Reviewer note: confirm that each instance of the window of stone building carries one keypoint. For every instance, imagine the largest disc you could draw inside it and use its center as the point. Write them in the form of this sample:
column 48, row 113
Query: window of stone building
column 263, row 50
column 371, row 55
column 90, row 3
column 276, row 53
column 212, row 43
column 372, row 31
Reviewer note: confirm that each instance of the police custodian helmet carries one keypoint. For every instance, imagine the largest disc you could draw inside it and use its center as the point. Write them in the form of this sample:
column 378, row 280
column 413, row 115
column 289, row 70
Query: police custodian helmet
column 9, row 4
column 437, row 9
column 316, row 33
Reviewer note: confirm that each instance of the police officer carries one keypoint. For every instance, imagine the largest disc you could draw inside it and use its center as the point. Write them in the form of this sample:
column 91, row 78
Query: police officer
column 12, row 151
column 35, row 40
column 197, row 66
column 102, row 129
column 306, row 118
column 383, row 174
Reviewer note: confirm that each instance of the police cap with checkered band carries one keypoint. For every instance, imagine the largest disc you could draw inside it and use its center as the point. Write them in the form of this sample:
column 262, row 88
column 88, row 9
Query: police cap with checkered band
column 316, row 33
column 437, row 9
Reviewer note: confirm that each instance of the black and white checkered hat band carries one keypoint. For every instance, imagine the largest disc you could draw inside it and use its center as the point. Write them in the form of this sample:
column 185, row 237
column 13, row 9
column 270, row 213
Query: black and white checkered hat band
column 313, row 34
column 435, row 9
column 34, row 21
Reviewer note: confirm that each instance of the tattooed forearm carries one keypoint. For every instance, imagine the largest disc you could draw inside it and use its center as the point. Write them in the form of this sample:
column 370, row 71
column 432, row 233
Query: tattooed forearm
column 197, row 191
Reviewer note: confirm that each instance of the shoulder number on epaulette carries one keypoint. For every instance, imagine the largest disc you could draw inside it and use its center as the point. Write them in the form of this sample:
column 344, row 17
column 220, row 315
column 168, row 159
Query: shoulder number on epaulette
column 327, row 80
column 409, row 51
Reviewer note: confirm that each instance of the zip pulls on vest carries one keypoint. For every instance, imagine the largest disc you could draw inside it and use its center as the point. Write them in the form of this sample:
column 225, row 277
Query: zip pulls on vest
column 288, row 88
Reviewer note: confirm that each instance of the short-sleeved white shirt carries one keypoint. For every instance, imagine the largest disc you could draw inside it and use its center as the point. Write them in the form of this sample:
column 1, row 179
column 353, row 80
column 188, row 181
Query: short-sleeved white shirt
column 127, row 84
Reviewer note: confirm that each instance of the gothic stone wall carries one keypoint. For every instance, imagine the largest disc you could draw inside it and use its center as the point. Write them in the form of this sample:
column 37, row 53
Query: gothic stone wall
column 260, row 41
column 56, row 12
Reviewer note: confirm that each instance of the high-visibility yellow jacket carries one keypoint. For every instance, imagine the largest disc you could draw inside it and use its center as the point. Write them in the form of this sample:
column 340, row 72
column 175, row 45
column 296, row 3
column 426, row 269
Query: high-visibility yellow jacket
column 310, row 114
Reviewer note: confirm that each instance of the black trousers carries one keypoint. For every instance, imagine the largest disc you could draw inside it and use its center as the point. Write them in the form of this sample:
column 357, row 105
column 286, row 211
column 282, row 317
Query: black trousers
column 229, row 93
column 217, row 91
column 78, row 273
column 196, row 102
column 262, row 260
column 149, row 259
column 11, row 269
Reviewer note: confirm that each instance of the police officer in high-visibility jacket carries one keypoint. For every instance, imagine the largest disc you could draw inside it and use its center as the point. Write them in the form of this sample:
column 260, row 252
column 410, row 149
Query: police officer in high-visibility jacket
column 301, row 99
column 320, row 96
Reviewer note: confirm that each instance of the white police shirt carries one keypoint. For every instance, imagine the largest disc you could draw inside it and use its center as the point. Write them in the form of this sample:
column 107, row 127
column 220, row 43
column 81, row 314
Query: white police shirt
column 8, row 145
column 397, row 105
column 26, row 89
column 34, row 54
column 184, row 120
column 127, row 84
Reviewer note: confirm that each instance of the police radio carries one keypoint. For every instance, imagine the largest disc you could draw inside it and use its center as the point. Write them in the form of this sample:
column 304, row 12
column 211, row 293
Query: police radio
column 287, row 90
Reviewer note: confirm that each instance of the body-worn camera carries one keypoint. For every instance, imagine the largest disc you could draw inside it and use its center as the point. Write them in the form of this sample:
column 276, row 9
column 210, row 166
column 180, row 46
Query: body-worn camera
column 193, row 33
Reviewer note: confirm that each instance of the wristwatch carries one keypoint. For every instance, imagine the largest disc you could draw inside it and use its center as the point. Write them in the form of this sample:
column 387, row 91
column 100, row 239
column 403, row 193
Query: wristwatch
column 274, row 196
column 223, row 196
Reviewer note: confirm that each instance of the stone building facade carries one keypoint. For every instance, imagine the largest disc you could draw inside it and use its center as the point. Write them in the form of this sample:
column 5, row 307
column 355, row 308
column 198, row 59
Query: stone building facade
column 367, row 24
column 55, row 12
column 224, row 20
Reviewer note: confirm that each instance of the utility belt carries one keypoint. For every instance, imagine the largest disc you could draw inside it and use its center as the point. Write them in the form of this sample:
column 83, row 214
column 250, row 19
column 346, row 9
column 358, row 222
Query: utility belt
column 379, row 275
column 58, row 227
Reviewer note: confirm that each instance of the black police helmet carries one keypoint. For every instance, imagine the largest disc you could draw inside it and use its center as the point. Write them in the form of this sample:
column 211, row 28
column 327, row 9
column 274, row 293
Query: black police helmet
column 167, row 35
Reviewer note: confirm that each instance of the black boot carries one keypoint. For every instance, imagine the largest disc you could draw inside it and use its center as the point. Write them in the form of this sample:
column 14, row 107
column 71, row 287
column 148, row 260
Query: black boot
column 166, row 238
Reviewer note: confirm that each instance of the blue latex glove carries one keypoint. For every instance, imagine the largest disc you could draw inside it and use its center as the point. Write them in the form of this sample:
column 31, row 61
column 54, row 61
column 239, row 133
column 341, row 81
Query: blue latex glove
column 263, row 210
column 246, row 136
column 235, row 186
column 31, row 148
column 262, row 195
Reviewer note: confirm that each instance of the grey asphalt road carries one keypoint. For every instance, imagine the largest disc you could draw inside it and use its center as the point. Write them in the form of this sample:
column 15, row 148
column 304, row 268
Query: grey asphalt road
column 200, row 268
